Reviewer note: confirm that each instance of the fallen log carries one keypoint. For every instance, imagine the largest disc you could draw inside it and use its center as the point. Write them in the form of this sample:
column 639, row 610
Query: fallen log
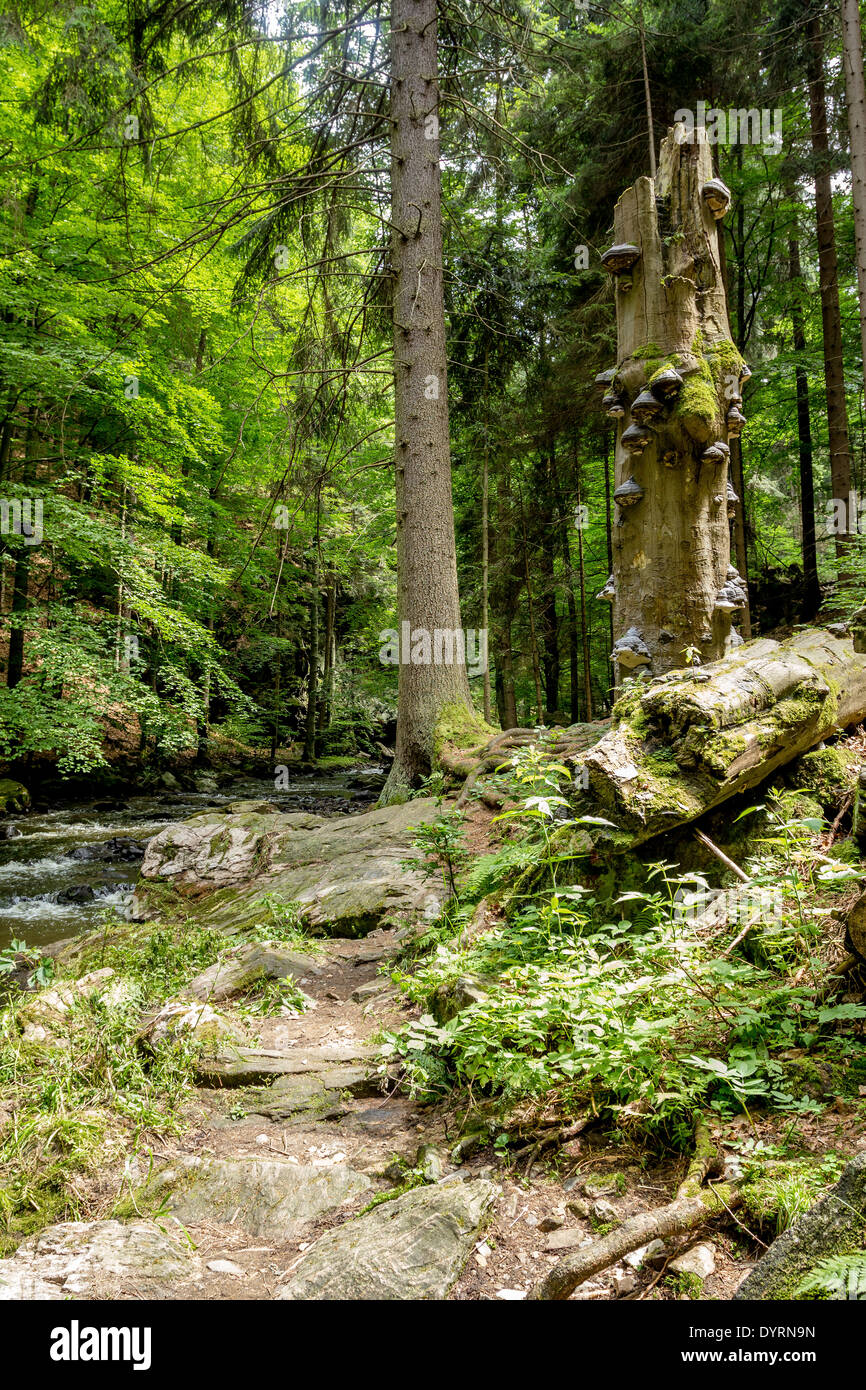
column 687, row 741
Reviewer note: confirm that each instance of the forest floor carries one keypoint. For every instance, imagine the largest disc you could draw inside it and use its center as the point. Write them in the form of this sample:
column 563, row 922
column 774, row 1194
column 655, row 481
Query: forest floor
column 287, row 1153
column 589, row 1185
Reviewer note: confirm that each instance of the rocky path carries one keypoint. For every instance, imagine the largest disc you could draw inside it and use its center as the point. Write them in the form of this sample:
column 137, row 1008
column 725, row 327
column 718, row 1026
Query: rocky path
column 291, row 1181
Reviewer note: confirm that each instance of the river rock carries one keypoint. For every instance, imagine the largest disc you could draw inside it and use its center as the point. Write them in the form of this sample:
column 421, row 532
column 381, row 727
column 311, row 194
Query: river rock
column 411, row 1248
column 50, row 1014
column 700, row 1261
column 91, row 1257
column 250, row 963
column 178, row 1019
column 119, row 847
column 14, row 797
column 346, row 872
column 268, row 1198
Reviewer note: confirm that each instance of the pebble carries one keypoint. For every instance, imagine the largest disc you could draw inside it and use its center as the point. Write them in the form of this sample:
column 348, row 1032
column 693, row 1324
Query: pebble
column 700, row 1260
column 511, row 1295
column 225, row 1267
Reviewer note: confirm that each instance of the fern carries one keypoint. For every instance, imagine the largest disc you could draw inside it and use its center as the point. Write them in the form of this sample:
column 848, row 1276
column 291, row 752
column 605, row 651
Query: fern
column 842, row 1276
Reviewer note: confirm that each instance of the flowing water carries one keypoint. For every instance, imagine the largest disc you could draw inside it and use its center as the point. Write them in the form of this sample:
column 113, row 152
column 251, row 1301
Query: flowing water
column 65, row 867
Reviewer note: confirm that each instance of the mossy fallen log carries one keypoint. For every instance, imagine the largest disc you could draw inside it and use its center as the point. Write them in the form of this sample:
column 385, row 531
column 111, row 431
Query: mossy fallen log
column 688, row 741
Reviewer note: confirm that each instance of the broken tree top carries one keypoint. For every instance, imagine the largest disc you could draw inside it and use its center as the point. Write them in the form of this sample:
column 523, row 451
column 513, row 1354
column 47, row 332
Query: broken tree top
column 676, row 393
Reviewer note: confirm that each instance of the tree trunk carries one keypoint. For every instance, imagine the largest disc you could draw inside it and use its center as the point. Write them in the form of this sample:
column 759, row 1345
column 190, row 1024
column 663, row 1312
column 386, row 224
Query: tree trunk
column 485, row 530
column 313, row 683
column 563, row 523
column 741, row 549
column 542, row 510
column 811, row 588
column 671, row 539
column 837, row 418
column 428, row 596
column 855, row 96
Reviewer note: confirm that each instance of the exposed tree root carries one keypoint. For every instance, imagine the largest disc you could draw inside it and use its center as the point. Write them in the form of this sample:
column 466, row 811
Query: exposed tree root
column 692, row 1206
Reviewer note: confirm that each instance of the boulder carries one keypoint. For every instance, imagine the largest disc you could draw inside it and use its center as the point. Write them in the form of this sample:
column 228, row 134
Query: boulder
column 245, row 1066
column 411, row 1248
column 14, row 797
column 89, row 1258
column 248, row 964
column 267, row 1198
column 347, row 873
column 178, row 1019
column 831, row 1227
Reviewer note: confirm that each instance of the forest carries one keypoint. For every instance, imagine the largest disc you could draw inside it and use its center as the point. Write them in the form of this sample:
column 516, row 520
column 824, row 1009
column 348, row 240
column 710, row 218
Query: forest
column 433, row 653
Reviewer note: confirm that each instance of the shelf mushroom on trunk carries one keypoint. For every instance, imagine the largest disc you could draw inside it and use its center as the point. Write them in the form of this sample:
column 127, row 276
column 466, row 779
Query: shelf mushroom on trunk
column 676, row 381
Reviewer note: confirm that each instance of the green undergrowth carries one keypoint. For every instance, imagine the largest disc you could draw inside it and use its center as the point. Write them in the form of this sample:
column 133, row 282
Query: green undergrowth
column 631, row 1004
column 73, row 1109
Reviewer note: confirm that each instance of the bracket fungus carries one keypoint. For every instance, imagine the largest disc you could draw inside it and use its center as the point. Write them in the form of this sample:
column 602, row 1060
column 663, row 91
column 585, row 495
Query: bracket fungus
column 717, row 197
column 636, row 438
column 716, row 453
column 645, row 408
column 628, row 493
column 666, row 384
column 608, row 593
column 618, row 259
column 631, row 650
column 606, row 378
column 736, row 421
column 732, row 500
column 613, row 405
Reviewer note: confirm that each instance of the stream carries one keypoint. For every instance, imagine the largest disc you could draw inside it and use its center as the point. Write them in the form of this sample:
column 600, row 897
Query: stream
column 63, row 868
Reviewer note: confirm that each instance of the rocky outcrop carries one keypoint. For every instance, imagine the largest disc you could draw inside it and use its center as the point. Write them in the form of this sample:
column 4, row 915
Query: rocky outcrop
column 269, row 1199
column 413, row 1247
column 89, row 1258
column 833, row 1225
column 248, row 965
column 346, row 873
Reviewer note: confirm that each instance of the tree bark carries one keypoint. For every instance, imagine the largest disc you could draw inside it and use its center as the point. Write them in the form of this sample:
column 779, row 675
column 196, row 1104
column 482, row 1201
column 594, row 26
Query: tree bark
column 693, row 739
column 831, row 319
column 426, row 559
column 855, row 98
column 811, row 588
column 672, row 543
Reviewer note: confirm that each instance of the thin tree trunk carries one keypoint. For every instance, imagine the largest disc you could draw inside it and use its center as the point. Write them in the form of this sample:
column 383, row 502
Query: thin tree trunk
column 741, row 549
column 313, row 682
column 837, row 419
column 587, row 667
column 428, row 595
column 533, row 643
column 485, row 529
column 855, row 97
column 573, row 679
column 326, row 701
column 811, row 588
column 647, row 95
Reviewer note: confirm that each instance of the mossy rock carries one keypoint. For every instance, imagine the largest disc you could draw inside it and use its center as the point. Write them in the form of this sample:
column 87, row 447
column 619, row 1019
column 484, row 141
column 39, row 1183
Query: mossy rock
column 828, row 773
column 14, row 798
